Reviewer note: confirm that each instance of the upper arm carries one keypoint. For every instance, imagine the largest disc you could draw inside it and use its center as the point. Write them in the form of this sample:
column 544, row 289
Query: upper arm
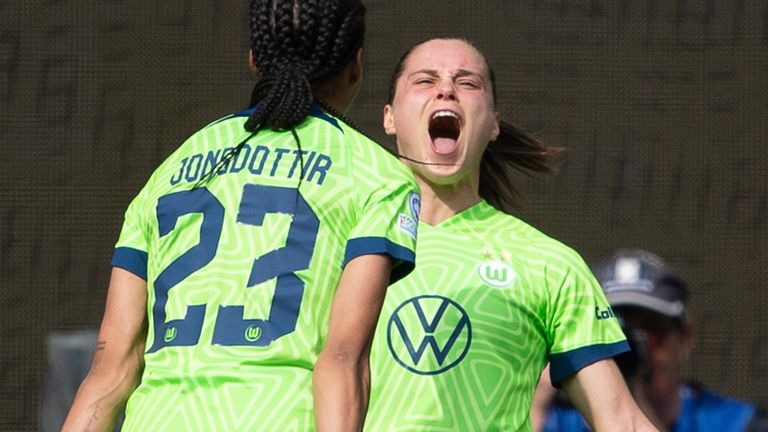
column 123, row 327
column 386, row 198
column 357, row 304
column 581, row 328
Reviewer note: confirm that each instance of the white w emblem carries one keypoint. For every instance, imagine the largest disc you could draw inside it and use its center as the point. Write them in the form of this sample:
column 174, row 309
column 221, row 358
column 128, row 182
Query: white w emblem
column 496, row 273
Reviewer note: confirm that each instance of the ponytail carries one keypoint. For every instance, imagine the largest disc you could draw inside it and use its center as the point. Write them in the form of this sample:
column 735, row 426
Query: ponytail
column 515, row 149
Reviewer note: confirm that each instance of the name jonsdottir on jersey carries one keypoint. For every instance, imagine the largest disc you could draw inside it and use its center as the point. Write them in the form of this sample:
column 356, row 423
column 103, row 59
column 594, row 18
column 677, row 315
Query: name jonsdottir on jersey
column 260, row 160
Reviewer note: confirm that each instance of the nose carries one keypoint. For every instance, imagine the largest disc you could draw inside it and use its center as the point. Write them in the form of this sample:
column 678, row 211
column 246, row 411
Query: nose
column 446, row 90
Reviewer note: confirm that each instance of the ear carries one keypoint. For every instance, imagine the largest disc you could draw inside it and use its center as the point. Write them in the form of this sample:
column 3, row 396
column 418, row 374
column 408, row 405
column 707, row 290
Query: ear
column 356, row 71
column 496, row 128
column 389, row 120
column 252, row 63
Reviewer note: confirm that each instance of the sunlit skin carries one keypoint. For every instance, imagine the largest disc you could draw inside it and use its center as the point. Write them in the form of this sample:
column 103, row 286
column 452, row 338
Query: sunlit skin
column 448, row 76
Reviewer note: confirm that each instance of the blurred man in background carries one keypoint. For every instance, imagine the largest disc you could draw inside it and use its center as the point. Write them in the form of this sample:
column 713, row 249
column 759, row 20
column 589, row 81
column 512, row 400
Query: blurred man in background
column 650, row 299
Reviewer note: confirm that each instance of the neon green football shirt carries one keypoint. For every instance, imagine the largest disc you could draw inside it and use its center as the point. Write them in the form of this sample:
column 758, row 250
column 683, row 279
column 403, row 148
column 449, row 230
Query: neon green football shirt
column 462, row 340
column 241, row 271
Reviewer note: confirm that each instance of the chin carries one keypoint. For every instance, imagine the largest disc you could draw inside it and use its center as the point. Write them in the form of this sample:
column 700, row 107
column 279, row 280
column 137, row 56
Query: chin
column 442, row 175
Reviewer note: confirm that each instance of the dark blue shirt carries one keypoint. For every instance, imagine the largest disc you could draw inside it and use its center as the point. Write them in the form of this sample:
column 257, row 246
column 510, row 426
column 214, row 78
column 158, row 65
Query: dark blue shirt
column 702, row 411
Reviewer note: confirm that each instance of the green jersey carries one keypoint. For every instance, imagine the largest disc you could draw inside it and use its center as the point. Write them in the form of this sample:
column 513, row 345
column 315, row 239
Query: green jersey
column 462, row 340
column 241, row 270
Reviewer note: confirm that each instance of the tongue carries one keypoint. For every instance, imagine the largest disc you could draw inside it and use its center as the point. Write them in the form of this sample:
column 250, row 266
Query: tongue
column 444, row 145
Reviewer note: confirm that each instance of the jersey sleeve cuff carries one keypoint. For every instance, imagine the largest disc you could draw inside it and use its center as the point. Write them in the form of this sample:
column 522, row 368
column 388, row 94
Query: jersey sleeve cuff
column 403, row 258
column 563, row 365
column 132, row 260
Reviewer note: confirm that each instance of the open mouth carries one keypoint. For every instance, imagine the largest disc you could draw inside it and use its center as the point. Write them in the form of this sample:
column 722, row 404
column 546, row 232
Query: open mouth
column 444, row 130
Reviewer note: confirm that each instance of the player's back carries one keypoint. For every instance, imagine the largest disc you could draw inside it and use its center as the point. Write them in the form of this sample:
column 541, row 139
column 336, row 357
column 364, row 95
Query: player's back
column 242, row 267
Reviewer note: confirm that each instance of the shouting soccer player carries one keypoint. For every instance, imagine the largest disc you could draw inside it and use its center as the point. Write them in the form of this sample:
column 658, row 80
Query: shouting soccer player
column 462, row 340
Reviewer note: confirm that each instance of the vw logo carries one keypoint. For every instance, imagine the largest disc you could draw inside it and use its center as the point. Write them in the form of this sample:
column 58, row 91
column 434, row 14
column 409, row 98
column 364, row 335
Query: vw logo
column 429, row 334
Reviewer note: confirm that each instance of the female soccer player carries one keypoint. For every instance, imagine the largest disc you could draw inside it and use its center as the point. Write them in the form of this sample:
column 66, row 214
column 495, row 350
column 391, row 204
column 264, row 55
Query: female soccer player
column 259, row 252
column 462, row 340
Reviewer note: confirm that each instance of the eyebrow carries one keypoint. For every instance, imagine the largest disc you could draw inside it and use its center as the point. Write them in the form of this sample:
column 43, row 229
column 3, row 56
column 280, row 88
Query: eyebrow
column 459, row 73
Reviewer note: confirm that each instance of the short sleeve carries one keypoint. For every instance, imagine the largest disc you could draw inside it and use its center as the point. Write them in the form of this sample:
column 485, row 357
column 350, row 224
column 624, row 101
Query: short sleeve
column 388, row 215
column 132, row 245
column 583, row 328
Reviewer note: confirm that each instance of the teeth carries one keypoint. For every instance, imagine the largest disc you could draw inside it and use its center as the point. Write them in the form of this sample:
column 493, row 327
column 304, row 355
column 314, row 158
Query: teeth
column 444, row 114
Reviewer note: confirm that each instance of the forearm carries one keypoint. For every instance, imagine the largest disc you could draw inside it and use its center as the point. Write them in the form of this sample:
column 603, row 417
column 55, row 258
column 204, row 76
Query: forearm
column 99, row 401
column 602, row 397
column 118, row 359
column 623, row 415
column 341, row 388
column 341, row 378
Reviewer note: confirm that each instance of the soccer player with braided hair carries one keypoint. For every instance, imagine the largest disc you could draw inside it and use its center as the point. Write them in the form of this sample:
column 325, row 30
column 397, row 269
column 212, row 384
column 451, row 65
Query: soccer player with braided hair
column 251, row 268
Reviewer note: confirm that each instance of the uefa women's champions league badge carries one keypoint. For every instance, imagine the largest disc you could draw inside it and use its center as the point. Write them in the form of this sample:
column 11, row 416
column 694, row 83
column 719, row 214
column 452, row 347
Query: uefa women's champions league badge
column 414, row 203
column 409, row 223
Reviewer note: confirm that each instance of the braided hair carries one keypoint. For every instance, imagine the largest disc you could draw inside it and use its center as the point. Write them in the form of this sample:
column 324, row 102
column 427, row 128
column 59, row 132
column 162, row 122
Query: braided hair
column 514, row 148
column 297, row 45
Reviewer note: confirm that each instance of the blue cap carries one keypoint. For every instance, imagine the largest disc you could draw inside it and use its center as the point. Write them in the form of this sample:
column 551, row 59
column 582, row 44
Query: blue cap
column 638, row 278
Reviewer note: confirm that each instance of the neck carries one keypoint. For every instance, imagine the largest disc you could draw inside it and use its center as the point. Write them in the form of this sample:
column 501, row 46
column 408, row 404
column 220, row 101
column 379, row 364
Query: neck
column 440, row 202
column 339, row 105
column 337, row 92
column 667, row 401
column 639, row 391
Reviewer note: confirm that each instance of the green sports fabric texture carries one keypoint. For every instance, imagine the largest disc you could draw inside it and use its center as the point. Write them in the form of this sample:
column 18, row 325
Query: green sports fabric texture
column 462, row 340
column 241, row 270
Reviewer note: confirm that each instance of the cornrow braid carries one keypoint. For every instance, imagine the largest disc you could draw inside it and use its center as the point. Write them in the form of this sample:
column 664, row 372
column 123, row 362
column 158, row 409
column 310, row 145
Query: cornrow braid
column 309, row 36
column 348, row 37
column 324, row 41
column 304, row 43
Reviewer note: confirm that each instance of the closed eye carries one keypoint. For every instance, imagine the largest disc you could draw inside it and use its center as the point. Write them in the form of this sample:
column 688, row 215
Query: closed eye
column 424, row 81
column 469, row 84
column 423, row 77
